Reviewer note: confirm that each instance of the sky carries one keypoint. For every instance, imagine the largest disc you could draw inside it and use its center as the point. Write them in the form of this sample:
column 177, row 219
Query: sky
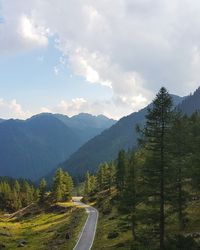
column 101, row 57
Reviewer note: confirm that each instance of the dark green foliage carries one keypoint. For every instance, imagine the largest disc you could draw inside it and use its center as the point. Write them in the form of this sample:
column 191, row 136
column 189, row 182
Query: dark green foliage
column 15, row 194
column 113, row 235
column 155, row 139
column 194, row 144
column 153, row 186
column 181, row 242
column 180, row 155
column 105, row 147
column 62, row 186
column 42, row 190
column 90, row 184
column 120, row 171
column 191, row 103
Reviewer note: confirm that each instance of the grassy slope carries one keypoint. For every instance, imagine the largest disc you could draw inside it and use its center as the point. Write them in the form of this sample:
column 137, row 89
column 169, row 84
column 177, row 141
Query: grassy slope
column 110, row 221
column 114, row 221
column 43, row 230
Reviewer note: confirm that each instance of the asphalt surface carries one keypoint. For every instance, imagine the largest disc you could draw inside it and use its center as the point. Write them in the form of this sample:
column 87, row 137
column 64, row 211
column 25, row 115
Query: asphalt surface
column 88, row 232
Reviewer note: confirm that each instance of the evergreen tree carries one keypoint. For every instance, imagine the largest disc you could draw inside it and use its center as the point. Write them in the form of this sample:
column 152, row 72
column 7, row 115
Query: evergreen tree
column 194, row 145
column 129, row 200
column 155, row 139
column 111, row 175
column 178, row 170
column 120, row 171
column 68, row 186
column 28, row 193
column 42, row 190
column 62, row 186
column 17, row 194
column 87, row 186
column 58, row 186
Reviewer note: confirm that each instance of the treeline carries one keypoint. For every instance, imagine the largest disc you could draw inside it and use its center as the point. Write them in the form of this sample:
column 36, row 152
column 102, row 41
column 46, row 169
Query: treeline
column 157, row 183
column 16, row 194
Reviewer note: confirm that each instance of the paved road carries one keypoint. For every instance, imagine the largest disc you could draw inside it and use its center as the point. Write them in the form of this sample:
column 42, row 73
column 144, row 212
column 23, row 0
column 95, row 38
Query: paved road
column 87, row 235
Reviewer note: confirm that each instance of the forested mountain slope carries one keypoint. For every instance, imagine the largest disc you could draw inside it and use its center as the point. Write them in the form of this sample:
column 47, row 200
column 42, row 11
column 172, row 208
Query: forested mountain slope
column 32, row 148
column 105, row 146
column 191, row 103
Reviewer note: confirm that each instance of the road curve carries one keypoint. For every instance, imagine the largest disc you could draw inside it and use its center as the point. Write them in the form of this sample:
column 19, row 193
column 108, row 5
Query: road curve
column 86, row 238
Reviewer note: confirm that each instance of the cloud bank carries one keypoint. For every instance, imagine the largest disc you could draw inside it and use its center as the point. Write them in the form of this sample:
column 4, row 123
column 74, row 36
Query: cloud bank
column 130, row 46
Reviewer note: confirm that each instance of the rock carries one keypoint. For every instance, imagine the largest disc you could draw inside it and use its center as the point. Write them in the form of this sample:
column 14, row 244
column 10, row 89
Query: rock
column 196, row 235
column 22, row 241
column 21, row 245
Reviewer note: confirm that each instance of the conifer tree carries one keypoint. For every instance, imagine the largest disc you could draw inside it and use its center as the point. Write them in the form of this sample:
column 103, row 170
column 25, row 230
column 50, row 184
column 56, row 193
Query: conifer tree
column 178, row 194
column 58, row 186
column 129, row 200
column 194, row 145
column 62, row 187
column 68, row 186
column 17, row 195
column 155, row 139
column 42, row 190
column 120, row 171
column 87, row 186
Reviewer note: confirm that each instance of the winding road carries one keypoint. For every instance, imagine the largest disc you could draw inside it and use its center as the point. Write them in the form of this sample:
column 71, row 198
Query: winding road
column 88, row 232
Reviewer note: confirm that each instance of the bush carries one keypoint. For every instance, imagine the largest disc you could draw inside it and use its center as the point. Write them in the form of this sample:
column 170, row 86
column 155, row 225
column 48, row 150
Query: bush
column 106, row 208
column 113, row 235
column 181, row 242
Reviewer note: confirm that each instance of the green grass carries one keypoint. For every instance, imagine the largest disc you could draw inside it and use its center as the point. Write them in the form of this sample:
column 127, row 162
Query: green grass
column 107, row 224
column 113, row 221
column 43, row 230
column 110, row 222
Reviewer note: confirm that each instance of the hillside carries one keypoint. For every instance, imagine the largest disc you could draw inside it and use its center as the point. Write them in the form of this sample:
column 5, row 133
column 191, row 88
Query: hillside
column 114, row 227
column 33, row 147
column 105, row 146
column 191, row 103
column 39, row 227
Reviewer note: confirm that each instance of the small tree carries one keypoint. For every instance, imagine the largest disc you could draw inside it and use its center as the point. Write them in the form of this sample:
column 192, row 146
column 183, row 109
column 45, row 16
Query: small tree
column 42, row 190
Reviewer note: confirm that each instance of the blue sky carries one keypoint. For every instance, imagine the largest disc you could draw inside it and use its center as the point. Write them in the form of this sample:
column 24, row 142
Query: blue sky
column 30, row 78
column 101, row 57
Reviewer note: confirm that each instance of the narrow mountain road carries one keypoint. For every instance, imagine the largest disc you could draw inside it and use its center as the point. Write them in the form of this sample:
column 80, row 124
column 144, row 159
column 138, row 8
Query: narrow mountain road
column 86, row 238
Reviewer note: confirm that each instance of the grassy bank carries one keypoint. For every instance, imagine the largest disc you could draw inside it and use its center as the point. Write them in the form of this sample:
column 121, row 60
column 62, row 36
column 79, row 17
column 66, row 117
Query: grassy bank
column 42, row 228
column 114, row 228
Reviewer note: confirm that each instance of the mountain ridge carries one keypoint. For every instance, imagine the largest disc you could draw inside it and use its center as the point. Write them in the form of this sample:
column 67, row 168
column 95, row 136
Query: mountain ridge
column 33, row 147
column 104, row 147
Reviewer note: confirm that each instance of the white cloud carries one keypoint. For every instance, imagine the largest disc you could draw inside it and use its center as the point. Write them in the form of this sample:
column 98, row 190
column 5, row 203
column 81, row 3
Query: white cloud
column 75, row 106
column 30, row 32
column 130, row 46
column 45, row 110
column 12, row 109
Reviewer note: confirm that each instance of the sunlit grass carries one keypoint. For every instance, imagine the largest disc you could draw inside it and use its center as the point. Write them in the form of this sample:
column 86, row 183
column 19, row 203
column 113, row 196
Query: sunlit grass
column 44, row 230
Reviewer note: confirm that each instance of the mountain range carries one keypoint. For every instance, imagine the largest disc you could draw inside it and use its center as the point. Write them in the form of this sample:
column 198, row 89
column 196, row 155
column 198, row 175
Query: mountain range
column 121, row 135
column 104, row 147
column 37, row 146
column 32, row 148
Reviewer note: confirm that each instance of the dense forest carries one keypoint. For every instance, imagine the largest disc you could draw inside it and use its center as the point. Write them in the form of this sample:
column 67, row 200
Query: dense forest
column 17, row 194
column 155, row 184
